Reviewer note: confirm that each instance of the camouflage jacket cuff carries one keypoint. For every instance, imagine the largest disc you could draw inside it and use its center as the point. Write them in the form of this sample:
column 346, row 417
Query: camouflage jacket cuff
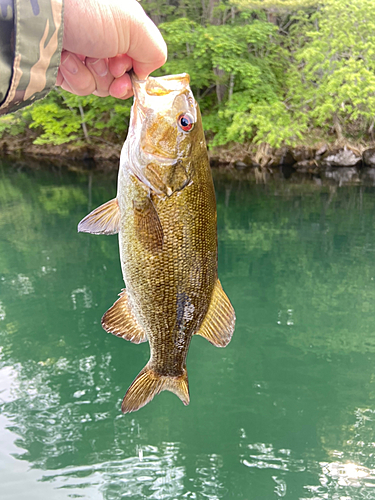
column 36, row 42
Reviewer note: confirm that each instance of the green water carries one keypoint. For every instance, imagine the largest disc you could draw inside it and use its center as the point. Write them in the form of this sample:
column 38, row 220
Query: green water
column 286, row 410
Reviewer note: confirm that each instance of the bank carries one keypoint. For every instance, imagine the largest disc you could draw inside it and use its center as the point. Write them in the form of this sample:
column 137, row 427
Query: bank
column 339, row 163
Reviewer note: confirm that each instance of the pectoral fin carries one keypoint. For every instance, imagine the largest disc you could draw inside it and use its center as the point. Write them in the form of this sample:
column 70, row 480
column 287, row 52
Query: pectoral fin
column 148, row 225
column 148, row 383
column 218, row 324
column 103, row 220
column 120, row 321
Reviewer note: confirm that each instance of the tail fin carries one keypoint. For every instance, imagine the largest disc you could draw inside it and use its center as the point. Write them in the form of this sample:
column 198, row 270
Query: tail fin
column 149, row 383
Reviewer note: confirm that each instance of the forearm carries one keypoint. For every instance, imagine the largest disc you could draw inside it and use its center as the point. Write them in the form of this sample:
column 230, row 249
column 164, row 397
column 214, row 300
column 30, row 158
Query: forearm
column 30, row 48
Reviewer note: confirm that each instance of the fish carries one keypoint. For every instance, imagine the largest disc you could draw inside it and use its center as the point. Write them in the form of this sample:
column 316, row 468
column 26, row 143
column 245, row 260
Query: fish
column 165, row 217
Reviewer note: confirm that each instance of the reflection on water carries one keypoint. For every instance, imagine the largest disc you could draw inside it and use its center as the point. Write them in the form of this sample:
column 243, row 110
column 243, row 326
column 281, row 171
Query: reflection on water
column 285, row 411
column 345, row 477
column 263, row 456
column 150, row 474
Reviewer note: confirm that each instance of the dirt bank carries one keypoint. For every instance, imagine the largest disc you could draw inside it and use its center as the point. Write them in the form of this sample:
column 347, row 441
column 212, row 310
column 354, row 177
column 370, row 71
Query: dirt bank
column 340, row 163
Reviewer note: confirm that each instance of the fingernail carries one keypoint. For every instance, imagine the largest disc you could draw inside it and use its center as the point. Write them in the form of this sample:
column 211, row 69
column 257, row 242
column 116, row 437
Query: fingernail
column 100, row 67
column 70, row 65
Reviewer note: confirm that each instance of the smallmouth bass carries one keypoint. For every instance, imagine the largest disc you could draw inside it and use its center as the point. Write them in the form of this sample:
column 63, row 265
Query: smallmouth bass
column 165, row 217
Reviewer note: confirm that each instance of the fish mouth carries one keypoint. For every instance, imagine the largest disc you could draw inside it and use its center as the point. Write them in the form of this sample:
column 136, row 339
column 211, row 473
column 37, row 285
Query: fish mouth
column 135, row 81
column 160, row 85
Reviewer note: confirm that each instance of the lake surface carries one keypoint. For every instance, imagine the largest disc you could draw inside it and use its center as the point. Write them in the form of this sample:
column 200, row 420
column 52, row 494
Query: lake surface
column 286, row 410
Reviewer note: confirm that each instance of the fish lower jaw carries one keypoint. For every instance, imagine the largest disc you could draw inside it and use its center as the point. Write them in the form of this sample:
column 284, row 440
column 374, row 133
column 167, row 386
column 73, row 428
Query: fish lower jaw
column 157, row 158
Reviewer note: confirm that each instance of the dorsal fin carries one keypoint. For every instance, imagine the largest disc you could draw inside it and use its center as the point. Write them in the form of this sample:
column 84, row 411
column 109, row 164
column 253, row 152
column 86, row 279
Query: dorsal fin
column 218, row 324
column 120, row 320
column 103, row 220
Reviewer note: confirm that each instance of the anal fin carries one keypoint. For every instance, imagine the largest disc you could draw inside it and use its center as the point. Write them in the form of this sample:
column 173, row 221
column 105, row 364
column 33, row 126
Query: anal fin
column 218, row 324
column 149, row 383
column 120, row 321
column 103, row 220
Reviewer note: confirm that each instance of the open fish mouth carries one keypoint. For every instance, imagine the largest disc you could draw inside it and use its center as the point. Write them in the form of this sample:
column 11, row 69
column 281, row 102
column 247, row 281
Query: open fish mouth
column 158, row 86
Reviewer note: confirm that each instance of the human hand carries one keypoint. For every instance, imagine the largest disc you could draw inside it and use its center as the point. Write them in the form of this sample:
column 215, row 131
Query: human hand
column 103, row 39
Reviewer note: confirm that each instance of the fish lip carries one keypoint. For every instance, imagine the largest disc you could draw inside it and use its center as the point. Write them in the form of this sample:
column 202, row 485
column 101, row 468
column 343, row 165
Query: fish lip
column 137, row 83
column 134, row 78
column 168, row 83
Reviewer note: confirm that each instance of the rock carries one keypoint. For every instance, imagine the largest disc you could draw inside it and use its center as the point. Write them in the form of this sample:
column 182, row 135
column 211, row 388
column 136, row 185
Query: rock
column 321, row 150
column 282, row 157
column 302, row 154
column 240, row 165
column 287, row 159
column 343, row 175
column 369, row 157
column 249, row 161
column 342, row 158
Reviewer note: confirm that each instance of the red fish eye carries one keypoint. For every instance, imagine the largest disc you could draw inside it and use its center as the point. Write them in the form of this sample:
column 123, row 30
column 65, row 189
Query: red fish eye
column 185, row 122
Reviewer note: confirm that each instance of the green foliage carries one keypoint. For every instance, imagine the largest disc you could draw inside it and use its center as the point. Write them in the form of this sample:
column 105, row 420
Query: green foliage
column 101, row 115
column 60, row 118
column 338, row 66
column 58, row 123
column 12, row 125
column 263, row 71
column 244, row 57
column 264, row 121
column 275, row 5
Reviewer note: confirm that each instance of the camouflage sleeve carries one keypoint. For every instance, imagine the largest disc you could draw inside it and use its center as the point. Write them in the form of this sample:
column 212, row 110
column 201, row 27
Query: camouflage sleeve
column 30, row 49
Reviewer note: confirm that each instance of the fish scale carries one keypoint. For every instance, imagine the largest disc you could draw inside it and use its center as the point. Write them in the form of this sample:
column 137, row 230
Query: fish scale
column 165, row 216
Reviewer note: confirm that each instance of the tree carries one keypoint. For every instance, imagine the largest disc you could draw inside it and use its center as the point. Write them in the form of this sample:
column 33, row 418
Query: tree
column 251, row 62
column 338, row 67
column 63, row 117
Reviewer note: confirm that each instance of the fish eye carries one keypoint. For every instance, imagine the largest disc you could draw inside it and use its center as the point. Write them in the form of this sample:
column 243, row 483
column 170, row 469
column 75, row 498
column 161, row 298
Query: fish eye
column 186, row 122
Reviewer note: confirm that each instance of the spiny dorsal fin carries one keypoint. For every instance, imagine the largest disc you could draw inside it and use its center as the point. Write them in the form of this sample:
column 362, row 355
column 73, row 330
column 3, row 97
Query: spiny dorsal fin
column 149, row 383
column 120, row 321
column 103, row 220
column 218, row 324
column 148, row 225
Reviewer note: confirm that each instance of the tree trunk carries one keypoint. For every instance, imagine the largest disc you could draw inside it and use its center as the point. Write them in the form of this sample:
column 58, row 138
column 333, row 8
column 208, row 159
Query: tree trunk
column 214, row 18
column 231, row 80
column 83, row 124
column 337, row 127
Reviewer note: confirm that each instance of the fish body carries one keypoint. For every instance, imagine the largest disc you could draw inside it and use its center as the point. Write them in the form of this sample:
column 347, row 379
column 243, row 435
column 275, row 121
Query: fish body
column 165, row 216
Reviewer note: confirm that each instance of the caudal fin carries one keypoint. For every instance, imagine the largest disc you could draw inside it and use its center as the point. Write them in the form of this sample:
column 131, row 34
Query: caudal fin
column 149, row 383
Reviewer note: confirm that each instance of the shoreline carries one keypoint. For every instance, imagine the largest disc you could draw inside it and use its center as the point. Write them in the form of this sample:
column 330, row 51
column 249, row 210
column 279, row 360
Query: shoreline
column 324, row 163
